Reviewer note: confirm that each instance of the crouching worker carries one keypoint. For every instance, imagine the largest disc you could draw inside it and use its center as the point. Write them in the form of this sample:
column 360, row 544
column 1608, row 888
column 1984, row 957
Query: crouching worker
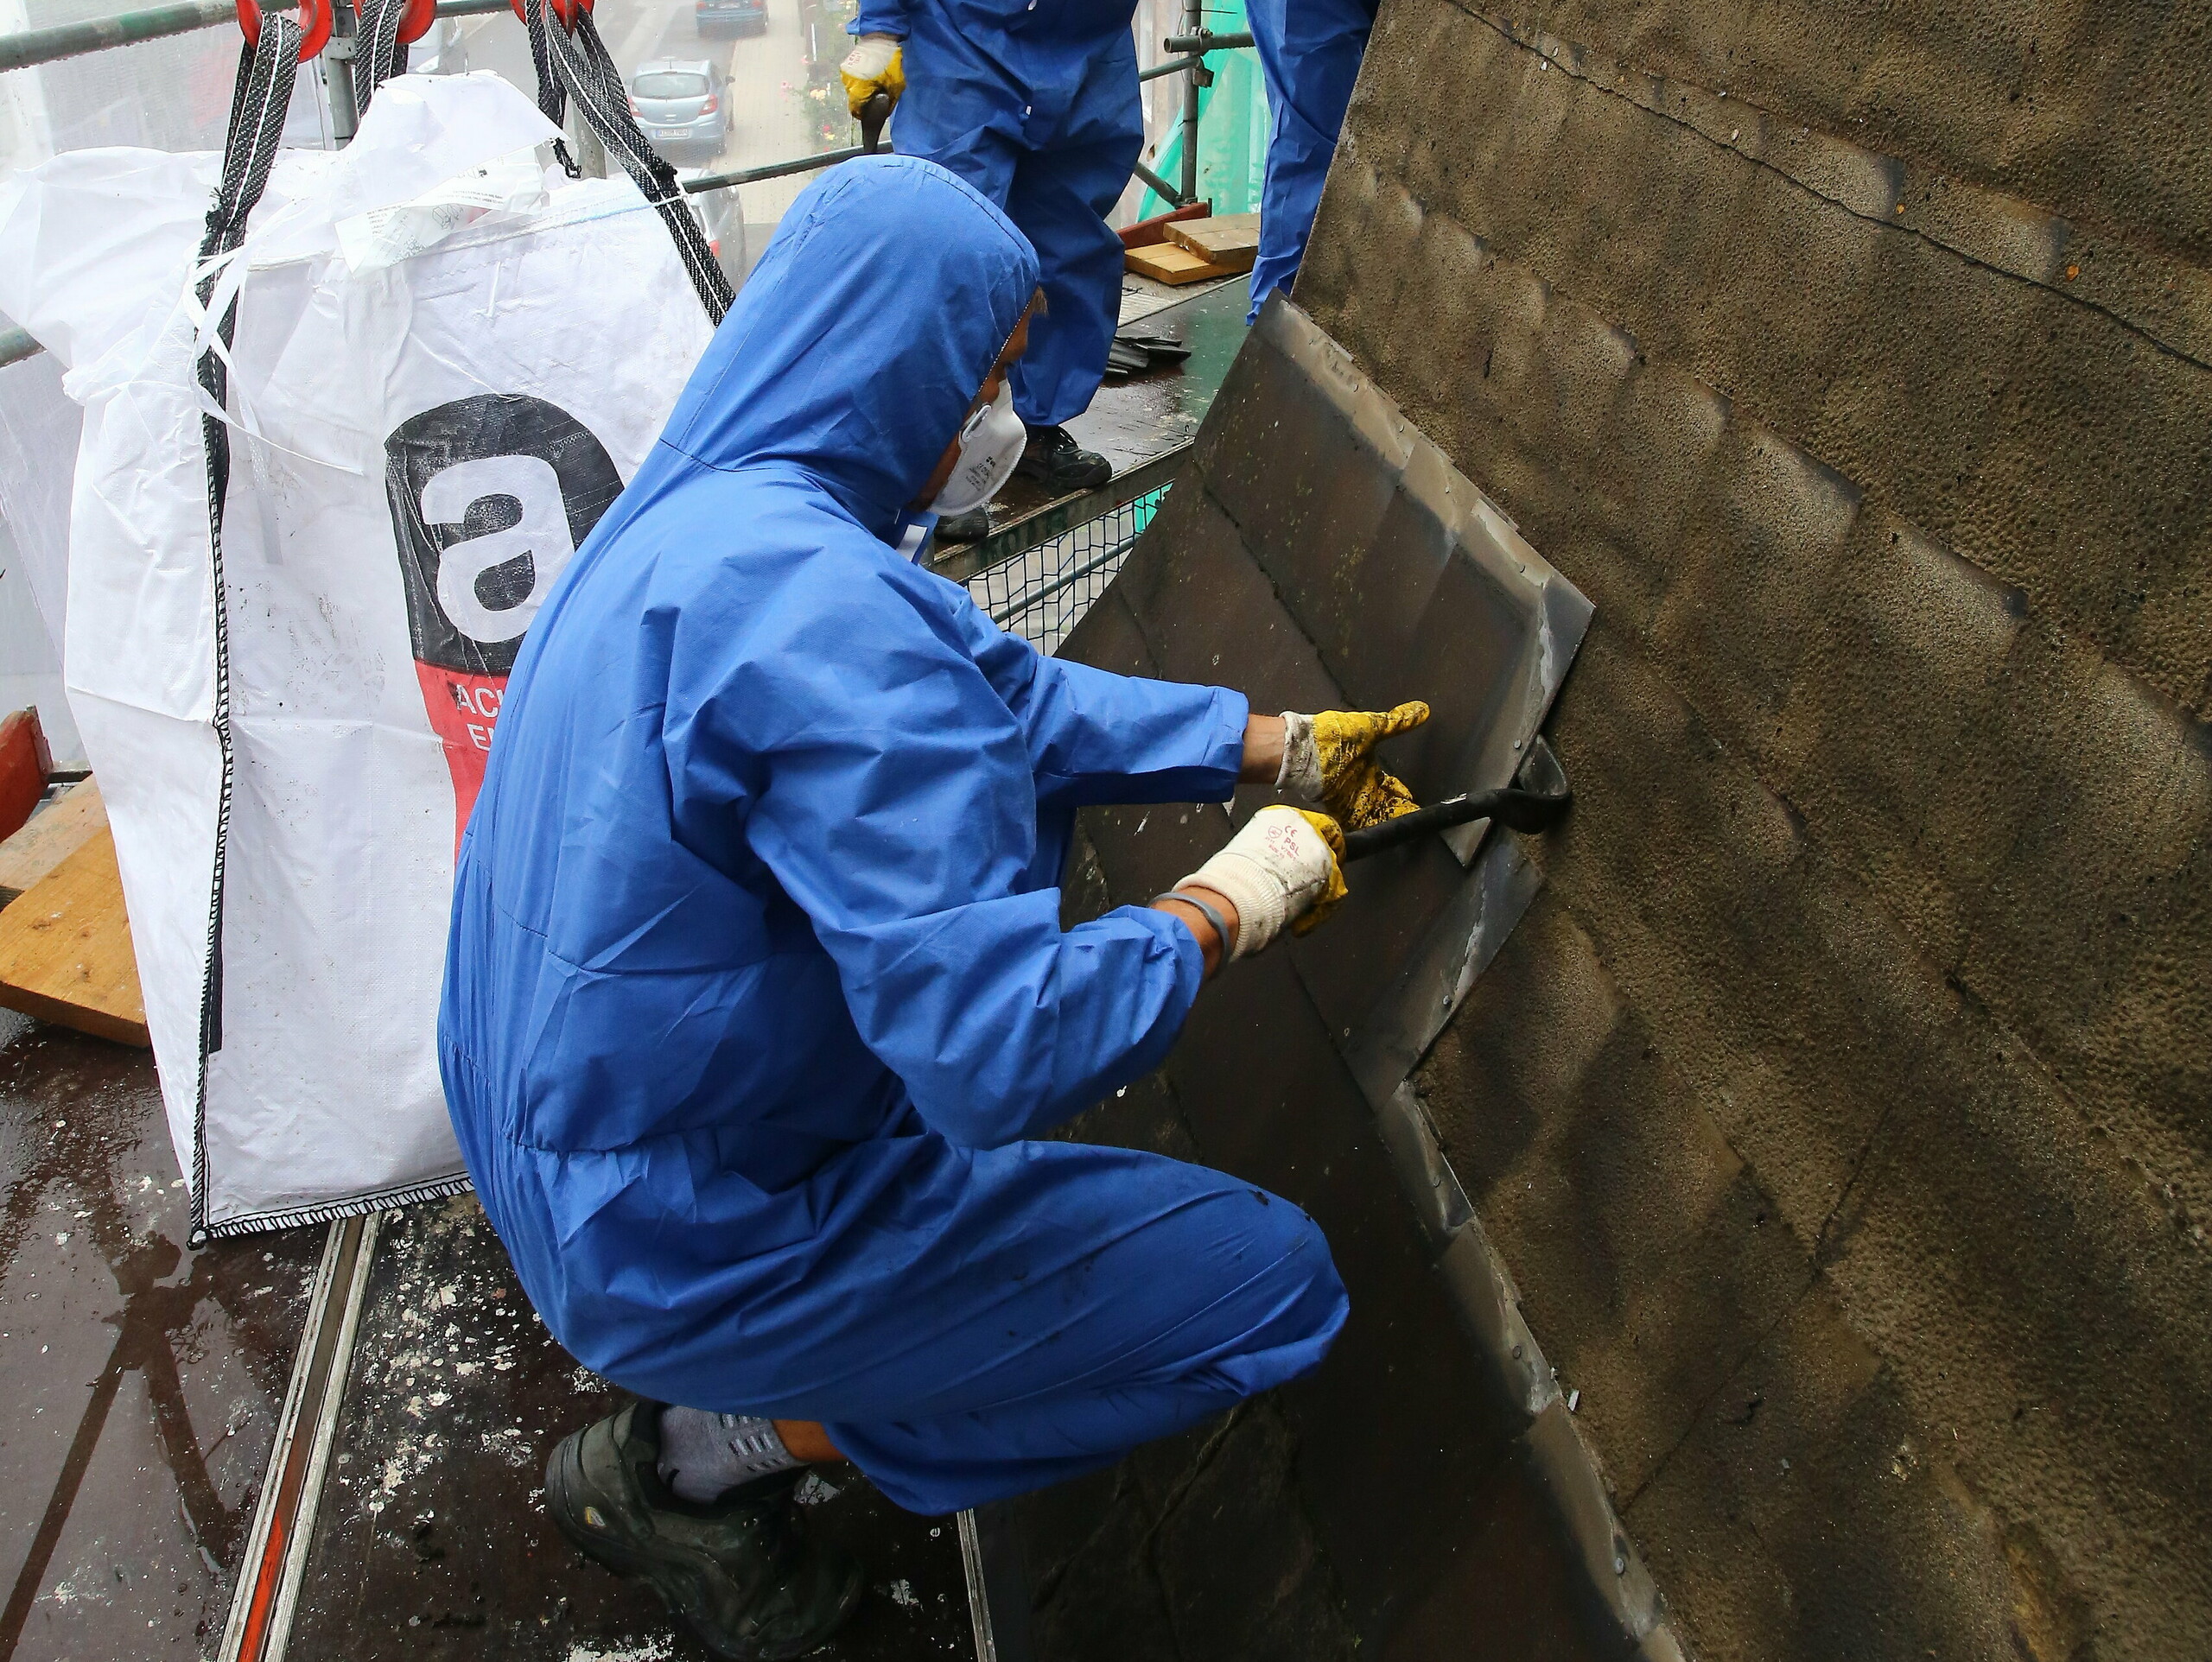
column 757, row 989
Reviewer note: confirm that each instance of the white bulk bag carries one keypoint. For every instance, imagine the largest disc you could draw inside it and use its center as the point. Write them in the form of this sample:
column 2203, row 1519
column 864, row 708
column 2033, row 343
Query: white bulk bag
column 447, row 357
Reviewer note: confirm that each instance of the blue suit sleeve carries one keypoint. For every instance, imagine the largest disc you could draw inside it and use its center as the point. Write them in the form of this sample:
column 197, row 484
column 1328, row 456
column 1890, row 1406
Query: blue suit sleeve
column 887, row 785
column 880, row 18
column 1097, row 737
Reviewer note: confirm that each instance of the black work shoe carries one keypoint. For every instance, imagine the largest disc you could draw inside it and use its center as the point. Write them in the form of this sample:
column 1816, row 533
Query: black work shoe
column 741, row 1571
column 971, row 527
column 1053, row 458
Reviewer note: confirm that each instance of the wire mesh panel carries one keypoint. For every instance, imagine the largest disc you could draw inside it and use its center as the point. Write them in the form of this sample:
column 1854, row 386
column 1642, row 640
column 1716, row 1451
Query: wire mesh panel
column 1042, row 592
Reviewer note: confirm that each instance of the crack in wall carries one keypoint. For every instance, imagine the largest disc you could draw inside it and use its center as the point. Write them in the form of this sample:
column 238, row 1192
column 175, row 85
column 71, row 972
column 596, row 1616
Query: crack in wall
column 1569, row 59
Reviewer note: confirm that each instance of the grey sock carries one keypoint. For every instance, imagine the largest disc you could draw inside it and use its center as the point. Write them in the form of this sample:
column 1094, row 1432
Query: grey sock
column 704, row 1456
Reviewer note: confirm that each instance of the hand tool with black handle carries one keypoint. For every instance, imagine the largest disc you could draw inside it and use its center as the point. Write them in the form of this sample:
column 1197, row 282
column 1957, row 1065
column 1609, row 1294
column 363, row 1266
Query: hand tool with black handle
column 1513, row 807
column 874, row 114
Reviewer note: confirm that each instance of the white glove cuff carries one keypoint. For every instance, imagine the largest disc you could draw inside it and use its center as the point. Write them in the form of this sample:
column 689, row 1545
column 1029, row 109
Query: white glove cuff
column 1301, row 765
column 870, row 57
column 1271, row 872
column 1262, row 905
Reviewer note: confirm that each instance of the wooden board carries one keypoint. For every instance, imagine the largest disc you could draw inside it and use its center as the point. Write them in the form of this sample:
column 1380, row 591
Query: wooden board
column 1171, row 263
column 55, row 832
column 1145, row 233
column 24, row 764
column 65, row 949
column 1228, row 239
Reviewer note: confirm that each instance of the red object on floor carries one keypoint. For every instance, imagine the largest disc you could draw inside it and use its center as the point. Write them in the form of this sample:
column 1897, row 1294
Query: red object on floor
column 1145, row 233
column 24, row 763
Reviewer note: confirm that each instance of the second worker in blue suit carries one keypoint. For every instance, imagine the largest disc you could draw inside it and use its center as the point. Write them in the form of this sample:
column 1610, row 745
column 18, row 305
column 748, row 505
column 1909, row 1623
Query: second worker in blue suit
column 1035, row 103
column 1310, row 52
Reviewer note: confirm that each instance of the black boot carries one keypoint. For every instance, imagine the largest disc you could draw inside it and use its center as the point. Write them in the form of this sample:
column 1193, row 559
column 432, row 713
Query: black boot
column 1055, row 460
column 741, row 1571
column 971, row 527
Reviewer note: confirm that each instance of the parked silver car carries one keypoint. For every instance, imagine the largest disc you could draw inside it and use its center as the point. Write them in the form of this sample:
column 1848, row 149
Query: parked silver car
column 682, row 104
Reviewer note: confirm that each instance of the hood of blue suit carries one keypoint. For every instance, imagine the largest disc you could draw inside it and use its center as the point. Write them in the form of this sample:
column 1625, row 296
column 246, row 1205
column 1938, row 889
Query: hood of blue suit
column 862, row 338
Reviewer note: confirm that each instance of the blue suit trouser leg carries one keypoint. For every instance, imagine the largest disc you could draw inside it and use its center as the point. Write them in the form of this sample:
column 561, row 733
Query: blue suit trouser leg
column 1309, row 58
column 1058, row 188
column 1181, row 1292
column 1061, row 198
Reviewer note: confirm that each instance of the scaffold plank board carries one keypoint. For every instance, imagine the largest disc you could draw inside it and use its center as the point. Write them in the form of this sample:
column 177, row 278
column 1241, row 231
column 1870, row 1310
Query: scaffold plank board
column 54, row 833
column 64, row 949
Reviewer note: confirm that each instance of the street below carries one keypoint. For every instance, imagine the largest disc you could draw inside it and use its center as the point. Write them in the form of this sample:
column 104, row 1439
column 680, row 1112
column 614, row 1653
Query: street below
column 771, row 115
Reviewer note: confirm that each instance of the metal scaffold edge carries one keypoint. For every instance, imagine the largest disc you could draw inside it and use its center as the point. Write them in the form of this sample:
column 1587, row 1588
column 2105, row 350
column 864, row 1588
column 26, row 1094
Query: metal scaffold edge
column 284, row 1519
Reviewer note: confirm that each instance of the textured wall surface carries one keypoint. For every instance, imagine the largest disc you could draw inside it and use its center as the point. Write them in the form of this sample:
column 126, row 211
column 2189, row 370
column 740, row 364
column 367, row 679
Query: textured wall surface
column 1843, row 1107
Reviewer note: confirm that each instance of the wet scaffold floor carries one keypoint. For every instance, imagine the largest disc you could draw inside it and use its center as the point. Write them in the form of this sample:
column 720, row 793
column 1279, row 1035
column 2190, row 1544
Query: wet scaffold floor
column 146, row 1381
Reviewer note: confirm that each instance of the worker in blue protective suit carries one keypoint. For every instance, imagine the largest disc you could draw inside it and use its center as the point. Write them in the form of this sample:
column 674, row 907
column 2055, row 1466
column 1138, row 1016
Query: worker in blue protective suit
column 756, row 986
column 1309, row 52
column 1035, row 103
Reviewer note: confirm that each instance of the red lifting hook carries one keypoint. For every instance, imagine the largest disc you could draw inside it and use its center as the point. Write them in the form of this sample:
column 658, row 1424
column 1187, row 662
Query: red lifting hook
column 315, row 25
column 414, row 21
column 564, row 10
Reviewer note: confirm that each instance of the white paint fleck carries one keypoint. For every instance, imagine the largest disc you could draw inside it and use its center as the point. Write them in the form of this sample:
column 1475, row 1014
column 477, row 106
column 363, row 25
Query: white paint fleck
column 652, row 1649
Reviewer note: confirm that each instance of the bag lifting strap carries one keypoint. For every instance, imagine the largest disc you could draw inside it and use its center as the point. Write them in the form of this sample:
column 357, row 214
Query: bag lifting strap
column 267, row 68
column 379, row 53
column 574, row 63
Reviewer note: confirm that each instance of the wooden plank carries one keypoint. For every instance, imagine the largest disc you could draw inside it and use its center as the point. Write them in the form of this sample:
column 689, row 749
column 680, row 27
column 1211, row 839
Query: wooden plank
column 1227, row 239
column 1145, row 233
column 54, row 833
column 24, row 764
column 1170, row 264
column 64, row 949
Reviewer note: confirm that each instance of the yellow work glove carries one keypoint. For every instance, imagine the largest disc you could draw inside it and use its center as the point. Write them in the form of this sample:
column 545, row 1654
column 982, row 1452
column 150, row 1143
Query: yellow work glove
column 874, row 64
column 1329, row 758
column 1285, row 866
column 1332, row 892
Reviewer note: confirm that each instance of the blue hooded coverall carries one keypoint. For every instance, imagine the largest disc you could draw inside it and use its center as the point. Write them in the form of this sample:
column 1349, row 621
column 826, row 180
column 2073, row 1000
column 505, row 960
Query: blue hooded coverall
column 1035, row 103
column 756, row 985
column 1309, row 52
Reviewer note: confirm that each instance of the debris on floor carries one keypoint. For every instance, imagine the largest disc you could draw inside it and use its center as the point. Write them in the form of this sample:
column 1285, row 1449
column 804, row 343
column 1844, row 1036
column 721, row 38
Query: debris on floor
column 431, row 1536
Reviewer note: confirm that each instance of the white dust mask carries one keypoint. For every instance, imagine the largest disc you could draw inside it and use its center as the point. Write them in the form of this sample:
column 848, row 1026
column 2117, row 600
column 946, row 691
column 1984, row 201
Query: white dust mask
column 990, row 444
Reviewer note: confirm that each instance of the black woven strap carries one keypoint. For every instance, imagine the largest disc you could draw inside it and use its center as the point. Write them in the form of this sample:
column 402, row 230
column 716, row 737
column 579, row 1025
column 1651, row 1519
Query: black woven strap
column 552, row 92
column 262, row 95
column 579, row 62
column 378, row 54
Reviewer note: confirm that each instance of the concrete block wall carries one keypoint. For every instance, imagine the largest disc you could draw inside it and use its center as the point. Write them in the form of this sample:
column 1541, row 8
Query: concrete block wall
column 1843, row 1107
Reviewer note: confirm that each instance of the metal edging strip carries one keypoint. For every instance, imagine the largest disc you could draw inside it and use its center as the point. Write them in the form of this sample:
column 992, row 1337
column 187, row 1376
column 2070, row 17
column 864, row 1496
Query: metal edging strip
column 284, row 1519
column 326, row 1434
column 979, row 1602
